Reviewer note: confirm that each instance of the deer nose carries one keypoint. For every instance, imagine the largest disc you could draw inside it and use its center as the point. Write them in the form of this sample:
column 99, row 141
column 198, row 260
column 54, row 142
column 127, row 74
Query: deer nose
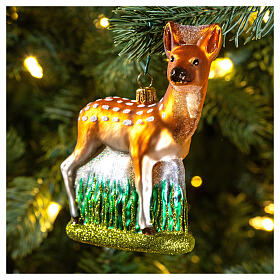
column 181, row 75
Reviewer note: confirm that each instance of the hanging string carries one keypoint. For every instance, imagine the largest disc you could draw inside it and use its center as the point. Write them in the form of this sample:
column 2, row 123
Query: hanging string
column 149, row 55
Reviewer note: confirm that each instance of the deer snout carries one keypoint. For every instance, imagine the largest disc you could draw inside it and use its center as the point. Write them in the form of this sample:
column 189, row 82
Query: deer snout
column 181, row 75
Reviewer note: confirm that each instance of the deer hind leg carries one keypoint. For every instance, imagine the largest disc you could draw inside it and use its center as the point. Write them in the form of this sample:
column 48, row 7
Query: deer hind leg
column 86, row 148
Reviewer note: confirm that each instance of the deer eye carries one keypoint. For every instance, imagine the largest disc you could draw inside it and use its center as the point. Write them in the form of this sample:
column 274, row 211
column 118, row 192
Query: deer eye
column 172, row 58
column 196, row 62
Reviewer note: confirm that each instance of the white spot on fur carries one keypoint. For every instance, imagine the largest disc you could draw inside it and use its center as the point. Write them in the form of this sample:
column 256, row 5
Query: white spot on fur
column 160, row 107
column 106, row 107
column 79, row 118
column 150, row 111
column 152, row 105
column 129, row 104
column 98, row 99
column 87, row 108
column 124, row 98
column 127, row 122
column 93, row 119
column 139, row 121
column 133, row 101
column 115, row 119
column 150, row 119
column 141, row 105
column 119, row 101
column 95, row 105
column 109, row 99
column 105, row 118
column 163, row 115
column 126, row 111
column 84, row 118
column 139, row 113
column 116, row 109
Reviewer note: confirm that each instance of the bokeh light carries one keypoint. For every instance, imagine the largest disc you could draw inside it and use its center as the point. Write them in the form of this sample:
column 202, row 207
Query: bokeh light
column 196, row 181
column 262, row 223
column 269, row 208
column 34, row 68
column 220, row 68
column 104, row 22
column 53, row 210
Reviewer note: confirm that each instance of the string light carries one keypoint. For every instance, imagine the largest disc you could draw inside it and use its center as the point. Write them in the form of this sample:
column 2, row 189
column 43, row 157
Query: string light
column 220, row 67
column 101, row 22
column 262, row 223
column 53, row 210
column 196, row 181
column 195, row 259
column 266, row 15
column 32, row 65
column 104, row 22
column 40, row 181
column 269, row 208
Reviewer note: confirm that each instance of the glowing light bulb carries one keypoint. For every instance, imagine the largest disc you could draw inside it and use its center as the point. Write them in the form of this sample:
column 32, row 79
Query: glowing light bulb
column 32, row 65
column 269, row 208
column 104, row 22
column 220, row 67
column 267, row 224
column 262, row 223
column 52, row 210
column 40, row 181
column 196, row 181
column 266, row 17
column 195, row 259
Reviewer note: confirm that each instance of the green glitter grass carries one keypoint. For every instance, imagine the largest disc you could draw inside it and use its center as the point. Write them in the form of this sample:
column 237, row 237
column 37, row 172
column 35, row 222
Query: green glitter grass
column 161, row 243
column 116, row 206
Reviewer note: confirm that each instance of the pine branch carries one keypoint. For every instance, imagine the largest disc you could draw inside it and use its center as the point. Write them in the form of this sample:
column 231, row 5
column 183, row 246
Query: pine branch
column 15, row 147
column 243, row 118
column 137, row 39
column 27, row 217
column 263, row 266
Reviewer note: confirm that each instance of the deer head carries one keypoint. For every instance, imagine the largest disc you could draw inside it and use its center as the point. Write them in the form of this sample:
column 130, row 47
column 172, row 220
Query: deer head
column 190, row 55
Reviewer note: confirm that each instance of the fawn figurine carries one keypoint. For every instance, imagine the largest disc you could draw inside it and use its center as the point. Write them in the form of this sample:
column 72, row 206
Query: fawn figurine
column 155, row 132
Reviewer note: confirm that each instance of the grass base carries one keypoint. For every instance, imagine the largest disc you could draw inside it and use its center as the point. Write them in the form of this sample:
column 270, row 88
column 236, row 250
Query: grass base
column 170, row 243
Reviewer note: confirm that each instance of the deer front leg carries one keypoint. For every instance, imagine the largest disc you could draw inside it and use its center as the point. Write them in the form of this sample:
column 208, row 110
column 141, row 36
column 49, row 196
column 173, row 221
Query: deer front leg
column 147, row 189
column 144, row 223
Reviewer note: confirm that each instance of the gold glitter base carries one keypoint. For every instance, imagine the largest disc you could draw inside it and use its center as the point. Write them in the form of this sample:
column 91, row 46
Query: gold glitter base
column 170, row 243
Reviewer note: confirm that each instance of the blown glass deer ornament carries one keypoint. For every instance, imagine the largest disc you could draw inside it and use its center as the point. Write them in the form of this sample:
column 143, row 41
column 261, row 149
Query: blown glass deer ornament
column 149, row 213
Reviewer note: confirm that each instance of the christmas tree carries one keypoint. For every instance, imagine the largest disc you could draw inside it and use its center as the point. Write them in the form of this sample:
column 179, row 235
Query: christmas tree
column 60, row 58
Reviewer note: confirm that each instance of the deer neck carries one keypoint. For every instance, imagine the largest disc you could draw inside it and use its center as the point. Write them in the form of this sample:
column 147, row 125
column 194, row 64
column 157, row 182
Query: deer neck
column 182, row 110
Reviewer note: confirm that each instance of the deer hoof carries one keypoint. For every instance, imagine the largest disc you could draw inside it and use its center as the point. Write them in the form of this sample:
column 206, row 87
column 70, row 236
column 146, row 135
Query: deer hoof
column 77, row 221
column 149, row 231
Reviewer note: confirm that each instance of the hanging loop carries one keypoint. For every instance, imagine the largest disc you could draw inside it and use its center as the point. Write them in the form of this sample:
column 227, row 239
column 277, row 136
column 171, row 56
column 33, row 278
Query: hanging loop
column 148, row 74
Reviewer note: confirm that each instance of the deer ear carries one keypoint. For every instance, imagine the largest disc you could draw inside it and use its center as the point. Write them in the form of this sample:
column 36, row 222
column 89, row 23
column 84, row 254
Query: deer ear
column 211, row 41
column 169, row 38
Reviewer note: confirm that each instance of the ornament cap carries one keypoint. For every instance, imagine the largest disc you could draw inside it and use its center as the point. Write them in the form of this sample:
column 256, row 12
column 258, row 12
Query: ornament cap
column 146, row 95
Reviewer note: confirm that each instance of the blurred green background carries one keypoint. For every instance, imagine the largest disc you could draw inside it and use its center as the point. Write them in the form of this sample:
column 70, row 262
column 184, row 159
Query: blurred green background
column 75, row 61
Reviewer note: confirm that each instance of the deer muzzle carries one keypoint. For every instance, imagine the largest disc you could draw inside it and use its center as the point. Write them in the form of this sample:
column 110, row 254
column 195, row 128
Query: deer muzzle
column 181, row 75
